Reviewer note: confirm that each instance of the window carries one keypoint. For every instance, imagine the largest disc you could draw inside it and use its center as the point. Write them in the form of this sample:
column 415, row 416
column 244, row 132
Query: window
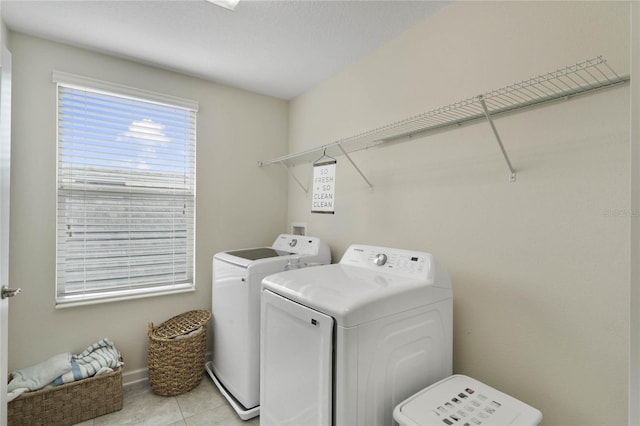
column 125, row 192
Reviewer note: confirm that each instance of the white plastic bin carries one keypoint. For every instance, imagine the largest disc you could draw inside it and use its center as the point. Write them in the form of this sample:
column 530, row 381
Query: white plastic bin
column 462, row 401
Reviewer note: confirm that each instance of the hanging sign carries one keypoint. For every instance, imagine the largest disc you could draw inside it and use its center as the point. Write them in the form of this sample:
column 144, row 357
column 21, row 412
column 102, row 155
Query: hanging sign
column 324, row 185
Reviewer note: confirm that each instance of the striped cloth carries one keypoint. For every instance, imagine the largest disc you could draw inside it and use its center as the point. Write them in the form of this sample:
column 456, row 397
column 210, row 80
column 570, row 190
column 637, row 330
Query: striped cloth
column 100, row 355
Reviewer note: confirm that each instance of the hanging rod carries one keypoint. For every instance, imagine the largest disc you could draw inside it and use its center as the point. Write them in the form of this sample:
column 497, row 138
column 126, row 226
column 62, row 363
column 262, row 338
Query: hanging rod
column 584, row 77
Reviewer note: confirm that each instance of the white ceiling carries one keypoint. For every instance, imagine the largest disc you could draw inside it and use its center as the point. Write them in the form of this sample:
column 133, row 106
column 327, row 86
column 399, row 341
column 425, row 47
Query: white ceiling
column 277, row 48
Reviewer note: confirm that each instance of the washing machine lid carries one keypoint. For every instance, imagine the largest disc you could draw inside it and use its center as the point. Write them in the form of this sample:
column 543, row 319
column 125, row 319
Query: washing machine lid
column 258, row 253
column 353, row 295
column 247, row 257
column 309, row 248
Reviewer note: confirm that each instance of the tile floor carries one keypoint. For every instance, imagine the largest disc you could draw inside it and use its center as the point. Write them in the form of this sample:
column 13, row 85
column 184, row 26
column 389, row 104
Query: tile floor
column 203, row 406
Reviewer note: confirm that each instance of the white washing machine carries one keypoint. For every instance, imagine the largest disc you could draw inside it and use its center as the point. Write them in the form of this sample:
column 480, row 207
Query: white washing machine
column 343, row 344
column 235, row 366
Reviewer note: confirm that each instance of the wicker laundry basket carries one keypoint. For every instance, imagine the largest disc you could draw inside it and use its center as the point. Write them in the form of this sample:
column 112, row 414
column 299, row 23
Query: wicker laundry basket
column 68, row 404
column 177, row 352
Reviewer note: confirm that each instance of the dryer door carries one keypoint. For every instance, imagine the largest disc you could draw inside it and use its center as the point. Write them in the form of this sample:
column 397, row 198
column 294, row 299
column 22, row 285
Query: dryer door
column 296, row 363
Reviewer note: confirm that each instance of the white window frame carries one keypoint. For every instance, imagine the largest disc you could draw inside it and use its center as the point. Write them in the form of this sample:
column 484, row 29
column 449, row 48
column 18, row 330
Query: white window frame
column 84, row 291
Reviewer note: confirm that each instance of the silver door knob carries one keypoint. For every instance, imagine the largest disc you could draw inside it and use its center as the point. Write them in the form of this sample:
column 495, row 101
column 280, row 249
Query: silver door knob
column 10, row 292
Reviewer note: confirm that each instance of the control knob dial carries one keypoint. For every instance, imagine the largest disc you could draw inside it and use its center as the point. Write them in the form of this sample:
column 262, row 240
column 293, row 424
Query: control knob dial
column 380, row 259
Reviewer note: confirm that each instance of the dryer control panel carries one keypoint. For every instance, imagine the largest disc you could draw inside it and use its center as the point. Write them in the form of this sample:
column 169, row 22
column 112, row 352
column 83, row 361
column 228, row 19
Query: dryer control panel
column 400, row 262
column 298, row 244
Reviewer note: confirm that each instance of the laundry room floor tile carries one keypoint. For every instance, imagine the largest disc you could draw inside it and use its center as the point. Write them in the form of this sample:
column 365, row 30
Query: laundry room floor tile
column 203, row 406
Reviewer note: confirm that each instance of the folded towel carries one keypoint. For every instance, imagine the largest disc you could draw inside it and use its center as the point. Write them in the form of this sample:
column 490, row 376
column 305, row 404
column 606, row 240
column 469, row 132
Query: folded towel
column 88, row 363
column 99, row 358
column 193, row 333
column 104, row 370
column 15, row 393
column 39, row 375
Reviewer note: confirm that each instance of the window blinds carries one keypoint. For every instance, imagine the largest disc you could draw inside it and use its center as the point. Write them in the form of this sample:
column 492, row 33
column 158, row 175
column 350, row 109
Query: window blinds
column 126, row 196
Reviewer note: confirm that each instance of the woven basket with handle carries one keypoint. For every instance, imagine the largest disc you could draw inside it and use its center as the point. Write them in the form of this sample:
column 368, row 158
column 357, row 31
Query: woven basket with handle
column 177, row 351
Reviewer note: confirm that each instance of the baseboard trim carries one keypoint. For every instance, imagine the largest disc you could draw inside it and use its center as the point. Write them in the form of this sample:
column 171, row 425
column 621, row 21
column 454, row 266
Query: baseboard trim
column 135, row 376
column 142, row 374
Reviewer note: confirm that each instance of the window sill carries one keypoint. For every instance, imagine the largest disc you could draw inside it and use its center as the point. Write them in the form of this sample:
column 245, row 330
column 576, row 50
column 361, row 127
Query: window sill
column 94, row 299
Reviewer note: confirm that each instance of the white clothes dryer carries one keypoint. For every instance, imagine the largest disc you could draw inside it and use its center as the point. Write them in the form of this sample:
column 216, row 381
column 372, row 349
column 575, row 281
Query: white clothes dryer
column 343, row 344
column 235, row 365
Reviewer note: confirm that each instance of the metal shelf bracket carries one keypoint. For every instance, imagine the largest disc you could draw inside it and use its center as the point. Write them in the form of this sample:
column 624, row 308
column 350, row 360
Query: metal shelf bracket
column 355, row 166
column 288, row 169
column 512, row 173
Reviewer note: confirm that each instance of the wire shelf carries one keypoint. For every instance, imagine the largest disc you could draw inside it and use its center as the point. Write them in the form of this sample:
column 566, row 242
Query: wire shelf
column 581, row 78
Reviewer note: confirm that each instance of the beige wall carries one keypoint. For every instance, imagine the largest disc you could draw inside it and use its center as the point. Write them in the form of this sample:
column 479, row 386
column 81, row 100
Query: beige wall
column 540, row 266
column 238, row 204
